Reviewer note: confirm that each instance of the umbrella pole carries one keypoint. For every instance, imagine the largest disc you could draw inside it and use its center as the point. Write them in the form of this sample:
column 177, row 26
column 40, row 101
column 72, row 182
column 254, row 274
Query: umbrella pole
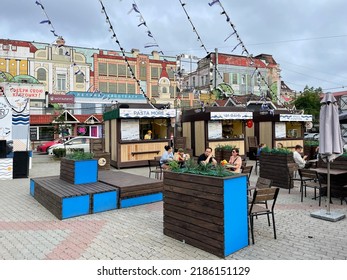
column 328, row 186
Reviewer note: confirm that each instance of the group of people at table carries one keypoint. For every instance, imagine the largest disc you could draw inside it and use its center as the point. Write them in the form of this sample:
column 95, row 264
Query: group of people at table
column 235, row 161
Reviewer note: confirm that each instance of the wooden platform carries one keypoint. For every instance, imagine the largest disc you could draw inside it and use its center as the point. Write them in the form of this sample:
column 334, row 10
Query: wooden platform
column 133, row 189
column 65, row 200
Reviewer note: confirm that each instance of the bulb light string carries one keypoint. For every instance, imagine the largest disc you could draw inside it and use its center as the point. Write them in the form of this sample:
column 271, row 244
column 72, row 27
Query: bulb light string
column 199, row 39
column 245, row 52
column 114, row 37
column 143, row 22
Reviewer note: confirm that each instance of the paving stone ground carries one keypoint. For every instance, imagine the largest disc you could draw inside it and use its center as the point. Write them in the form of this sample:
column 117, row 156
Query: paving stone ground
column 28, row 231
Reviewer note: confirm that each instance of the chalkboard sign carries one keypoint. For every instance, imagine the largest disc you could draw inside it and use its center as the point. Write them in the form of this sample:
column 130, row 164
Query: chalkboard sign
column 33, row 133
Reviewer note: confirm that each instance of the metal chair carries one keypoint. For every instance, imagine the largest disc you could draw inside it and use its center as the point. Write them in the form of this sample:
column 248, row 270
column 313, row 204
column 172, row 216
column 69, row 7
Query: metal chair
column 310, row 179
column 247, row 170
column 255, row 209
column 292, row 171
column 155, row 168
column 262, row 183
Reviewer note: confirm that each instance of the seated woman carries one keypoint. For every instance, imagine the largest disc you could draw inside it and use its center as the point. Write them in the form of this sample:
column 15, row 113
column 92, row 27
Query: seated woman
column 236, row 161
column 166, row 157
column 181, row 157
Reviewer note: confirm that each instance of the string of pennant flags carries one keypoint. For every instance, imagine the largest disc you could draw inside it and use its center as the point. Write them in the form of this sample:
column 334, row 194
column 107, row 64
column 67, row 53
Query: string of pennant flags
column 47, row 20
column 154, row 44
column 114, row 37
column 143, row 23
column 260, row 77
column 199, row 37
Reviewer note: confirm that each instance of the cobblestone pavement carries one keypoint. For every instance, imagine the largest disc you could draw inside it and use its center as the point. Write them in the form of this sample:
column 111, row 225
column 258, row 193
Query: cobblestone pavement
column 30, row 232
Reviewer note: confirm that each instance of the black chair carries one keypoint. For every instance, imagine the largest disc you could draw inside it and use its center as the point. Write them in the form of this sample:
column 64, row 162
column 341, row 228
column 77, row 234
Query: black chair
column 292, row 171
column 310, row 179
column 155, row 168
column 256, row 209
column 262, row 183
column 247, row 170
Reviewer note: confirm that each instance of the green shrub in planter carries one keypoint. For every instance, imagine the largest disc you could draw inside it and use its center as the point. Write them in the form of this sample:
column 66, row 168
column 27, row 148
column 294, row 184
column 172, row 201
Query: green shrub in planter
column 79, row 155
column 59, row 153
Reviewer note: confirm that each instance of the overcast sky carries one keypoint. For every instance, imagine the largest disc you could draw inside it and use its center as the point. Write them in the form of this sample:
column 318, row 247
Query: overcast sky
column 308, row 38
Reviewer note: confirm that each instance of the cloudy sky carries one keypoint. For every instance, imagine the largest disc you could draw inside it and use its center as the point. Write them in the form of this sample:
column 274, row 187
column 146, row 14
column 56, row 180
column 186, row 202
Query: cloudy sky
column 308, row 38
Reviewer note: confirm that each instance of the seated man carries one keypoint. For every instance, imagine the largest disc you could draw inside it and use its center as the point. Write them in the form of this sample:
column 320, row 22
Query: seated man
column 207, row 157
column 300, row 161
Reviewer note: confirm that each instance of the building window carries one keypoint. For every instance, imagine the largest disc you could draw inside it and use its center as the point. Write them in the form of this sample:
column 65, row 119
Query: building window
column 122, row 70
column 112, row 87
column 61, row 82
column 132, row 67
column 143, row 72
column 131, row 88
column 103, row 87
column 61, row 51
column 235, row 79
column 243, row 79
column 112, row 69
column 46, row 133
column 202, row 80
column 154, row 72
column 13, row 48
column 226, row 78
column 103, row 69
column 80, row 78
column 122, row 88
column 193, row 82
column 171, row 73
column 155, row 91
column 41, row 74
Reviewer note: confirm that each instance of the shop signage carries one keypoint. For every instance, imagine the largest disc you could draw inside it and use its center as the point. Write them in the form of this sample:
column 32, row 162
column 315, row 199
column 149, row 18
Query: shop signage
column 231, row 115
column 295, row 118
column 147, row 113
column 31, row 91
column 61, row 98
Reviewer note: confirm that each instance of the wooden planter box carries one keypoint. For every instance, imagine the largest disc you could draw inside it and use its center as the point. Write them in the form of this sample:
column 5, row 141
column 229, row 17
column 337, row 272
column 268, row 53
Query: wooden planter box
column 275, row 167
column 210, row 213
column 79, row 171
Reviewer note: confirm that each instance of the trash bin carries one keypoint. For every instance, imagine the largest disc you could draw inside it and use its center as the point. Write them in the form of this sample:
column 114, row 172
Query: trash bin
column 20, row 164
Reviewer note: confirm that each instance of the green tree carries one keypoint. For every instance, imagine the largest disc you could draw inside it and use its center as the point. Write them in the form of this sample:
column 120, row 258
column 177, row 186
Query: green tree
column 309, row 101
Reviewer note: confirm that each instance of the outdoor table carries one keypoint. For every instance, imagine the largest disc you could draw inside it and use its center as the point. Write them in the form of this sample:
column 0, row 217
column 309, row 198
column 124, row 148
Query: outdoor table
column 321, row 170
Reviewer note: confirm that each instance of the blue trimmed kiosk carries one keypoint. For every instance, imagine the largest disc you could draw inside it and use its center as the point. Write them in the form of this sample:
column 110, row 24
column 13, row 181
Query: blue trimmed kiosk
column 210, row 213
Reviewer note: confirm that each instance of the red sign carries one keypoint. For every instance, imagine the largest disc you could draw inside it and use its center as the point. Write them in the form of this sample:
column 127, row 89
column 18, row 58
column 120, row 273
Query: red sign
column 59, row 98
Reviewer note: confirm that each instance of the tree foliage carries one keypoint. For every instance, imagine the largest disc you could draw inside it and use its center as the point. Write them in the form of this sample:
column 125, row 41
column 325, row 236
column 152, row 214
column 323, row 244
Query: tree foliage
column 309, row 101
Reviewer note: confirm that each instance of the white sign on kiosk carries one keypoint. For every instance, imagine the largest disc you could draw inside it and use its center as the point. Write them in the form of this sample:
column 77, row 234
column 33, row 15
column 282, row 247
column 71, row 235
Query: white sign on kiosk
column 147, row 113
column 31, row 91
column 231, row 115
column 295, row 118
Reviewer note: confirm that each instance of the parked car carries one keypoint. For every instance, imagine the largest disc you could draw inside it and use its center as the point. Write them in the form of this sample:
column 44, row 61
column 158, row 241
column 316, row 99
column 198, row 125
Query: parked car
column 311, row 136
column 9, row 147
column 79, row 142
column 43, row 148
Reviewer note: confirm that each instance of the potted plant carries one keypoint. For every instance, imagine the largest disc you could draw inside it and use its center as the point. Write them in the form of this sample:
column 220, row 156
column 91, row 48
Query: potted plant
column 310, row 148
column 206, row 206
column 79, row 168
column 227, row 151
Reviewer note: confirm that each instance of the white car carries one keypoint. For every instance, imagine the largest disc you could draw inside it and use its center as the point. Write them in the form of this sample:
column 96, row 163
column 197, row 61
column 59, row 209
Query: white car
column 79, row 142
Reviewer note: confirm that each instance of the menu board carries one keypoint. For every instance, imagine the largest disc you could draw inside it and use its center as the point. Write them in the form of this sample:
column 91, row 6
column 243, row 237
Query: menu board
column 280, row 130
column 130, row 129
column 215, row 130
column 33, row 133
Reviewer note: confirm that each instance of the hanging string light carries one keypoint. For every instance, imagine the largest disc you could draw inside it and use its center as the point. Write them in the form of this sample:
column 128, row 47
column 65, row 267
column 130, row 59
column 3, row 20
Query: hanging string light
column 199, row 39
column 249, row 56
column 114, row 37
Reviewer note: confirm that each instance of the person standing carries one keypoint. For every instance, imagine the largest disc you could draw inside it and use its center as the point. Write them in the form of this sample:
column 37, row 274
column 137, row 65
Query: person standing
column 148, row 136
column 207, row 157
column 300, row 161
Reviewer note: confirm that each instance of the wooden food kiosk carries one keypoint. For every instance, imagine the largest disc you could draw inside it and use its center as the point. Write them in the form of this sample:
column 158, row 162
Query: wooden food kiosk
column 281, row 128
column 215, row 126
column 125, row 128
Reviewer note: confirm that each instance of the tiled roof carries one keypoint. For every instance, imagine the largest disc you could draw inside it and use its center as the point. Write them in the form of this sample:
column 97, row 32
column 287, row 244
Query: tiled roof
column 48, row 119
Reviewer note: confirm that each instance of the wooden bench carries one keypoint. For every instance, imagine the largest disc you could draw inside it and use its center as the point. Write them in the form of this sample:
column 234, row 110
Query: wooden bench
column 133, row 189
column 65, row 200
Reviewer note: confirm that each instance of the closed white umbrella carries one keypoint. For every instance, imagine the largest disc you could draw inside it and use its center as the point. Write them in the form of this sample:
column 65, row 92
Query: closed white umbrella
column 330, row 146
